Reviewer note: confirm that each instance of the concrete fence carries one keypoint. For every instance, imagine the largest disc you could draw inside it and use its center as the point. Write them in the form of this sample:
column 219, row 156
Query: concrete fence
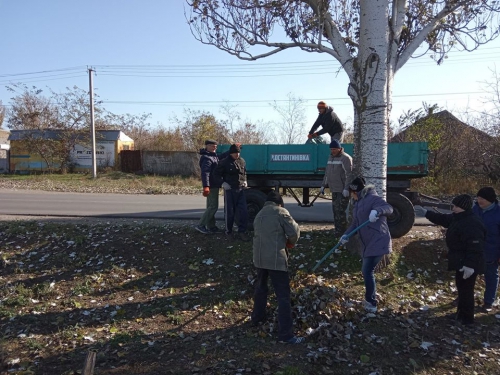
column 168, row 163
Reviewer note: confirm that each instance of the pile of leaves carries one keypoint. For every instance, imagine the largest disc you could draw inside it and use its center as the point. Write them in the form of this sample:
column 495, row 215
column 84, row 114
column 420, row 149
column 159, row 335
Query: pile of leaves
column 156, row 298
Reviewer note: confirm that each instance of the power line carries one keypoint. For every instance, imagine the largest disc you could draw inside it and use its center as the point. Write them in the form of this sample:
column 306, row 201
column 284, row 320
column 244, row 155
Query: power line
column 333, row 64
column 42, row 72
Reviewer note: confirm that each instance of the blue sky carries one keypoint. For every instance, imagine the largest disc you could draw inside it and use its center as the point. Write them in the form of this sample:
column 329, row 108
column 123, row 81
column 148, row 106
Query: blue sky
column 56, row 40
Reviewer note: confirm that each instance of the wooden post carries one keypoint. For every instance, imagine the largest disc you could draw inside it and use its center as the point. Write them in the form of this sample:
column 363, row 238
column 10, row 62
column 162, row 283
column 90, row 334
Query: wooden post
column 88, row 365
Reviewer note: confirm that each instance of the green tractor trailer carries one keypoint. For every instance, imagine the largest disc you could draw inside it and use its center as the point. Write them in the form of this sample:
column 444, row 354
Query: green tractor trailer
column 295, row 167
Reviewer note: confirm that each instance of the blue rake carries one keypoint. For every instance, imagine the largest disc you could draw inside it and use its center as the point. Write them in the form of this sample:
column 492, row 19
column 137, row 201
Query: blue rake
column 338, row 244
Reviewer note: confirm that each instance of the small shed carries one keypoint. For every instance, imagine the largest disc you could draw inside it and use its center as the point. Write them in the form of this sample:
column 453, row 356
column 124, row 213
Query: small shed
column 23, row 159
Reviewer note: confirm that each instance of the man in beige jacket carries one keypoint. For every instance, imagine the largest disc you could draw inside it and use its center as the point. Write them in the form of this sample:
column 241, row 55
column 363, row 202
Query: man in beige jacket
column 338, row 175
column 275, row 232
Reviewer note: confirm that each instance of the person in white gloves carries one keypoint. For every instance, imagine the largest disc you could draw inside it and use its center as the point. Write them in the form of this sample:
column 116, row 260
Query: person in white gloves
column 375, row 237
column 232, row 172
column 465, row 241
column 338, row 174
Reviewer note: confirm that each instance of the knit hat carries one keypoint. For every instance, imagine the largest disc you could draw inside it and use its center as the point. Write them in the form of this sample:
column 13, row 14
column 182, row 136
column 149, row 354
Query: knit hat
column 210, row 142
column 335, row 144
column 234, row 149
column 463, row 201
column 275, row 197
column 487, row 193
column 357, row 184
column 321, row 105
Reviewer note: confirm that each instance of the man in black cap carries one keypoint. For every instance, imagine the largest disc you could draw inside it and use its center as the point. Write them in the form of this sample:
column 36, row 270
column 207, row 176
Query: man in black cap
column 488, row 210
column 330, row 122
column 275, row 232
column 233, row 174
column 338, row 175
column 211, row 185
column 465, row 241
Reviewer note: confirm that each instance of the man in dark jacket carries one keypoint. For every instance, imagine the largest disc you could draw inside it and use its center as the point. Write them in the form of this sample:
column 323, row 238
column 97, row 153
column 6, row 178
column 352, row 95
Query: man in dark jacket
column 211, row 185
column 330, row 122
column 488, row 210
column 465, row 241
column 232, row 172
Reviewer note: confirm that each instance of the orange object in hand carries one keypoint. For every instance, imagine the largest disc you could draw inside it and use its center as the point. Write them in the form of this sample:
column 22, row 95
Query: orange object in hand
column 289, row 245
column 206, row 191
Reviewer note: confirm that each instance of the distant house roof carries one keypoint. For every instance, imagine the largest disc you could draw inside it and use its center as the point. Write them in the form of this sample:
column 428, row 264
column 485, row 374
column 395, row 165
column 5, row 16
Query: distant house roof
column 449, row 121
column 101, row 135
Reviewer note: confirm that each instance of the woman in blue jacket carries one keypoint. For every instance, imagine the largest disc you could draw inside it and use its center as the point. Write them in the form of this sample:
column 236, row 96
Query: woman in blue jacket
column 375, row 237
column 488, row 210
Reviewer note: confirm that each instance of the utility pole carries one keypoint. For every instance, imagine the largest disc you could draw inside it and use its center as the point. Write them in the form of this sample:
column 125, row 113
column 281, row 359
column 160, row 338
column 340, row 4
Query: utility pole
column 92, row 124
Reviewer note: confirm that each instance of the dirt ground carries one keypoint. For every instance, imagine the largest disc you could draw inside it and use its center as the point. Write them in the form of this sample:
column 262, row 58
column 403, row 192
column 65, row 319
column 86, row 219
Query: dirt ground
column 157, row 297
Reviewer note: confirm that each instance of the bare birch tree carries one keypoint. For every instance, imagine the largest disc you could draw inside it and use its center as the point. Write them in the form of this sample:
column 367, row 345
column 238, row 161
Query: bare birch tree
column 292, row 125
column 371, row 40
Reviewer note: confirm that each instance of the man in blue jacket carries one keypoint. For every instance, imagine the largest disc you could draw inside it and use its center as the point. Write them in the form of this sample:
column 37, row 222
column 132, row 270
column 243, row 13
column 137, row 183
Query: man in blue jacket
column 488, row 210
column 211, row 185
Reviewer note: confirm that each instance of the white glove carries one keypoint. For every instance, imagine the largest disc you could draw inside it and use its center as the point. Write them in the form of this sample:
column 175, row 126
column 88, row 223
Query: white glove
column 467, row 271
column 343, row 240
column 322, row 190
column 420, row 211
column 345, row 193
column 244, row 184
column 373, row 216
column 226, row 186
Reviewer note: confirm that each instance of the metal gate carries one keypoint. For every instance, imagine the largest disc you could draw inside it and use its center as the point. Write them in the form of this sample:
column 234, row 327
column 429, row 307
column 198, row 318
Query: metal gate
column 130, row 161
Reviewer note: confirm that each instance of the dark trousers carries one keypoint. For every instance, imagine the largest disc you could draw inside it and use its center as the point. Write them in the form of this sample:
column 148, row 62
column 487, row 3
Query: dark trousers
column 235, row 201
column 368, row 270
column 281, row 285
column 491, row 281
column 465, row 287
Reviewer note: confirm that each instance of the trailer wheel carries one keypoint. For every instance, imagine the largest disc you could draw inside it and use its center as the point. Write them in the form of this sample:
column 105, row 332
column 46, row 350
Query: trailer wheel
column 255, row 201
column 403, row 215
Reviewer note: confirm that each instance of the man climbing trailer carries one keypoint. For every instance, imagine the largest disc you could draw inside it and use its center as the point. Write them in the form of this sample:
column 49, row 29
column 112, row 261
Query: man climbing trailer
column 293, row 167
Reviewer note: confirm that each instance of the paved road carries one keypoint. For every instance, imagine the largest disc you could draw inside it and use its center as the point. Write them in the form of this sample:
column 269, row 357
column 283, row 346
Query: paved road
column 42, row 203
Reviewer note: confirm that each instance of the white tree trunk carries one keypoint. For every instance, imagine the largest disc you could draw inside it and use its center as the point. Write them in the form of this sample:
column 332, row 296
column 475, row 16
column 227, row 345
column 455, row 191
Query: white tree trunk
column 369, row 90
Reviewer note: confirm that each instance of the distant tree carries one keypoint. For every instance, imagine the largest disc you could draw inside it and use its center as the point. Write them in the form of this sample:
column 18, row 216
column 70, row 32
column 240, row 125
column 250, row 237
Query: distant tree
column 250, row 133
column 488, row 120
column 242, row 131
column 371, row 40
column 197, row 126
column 419, row 126
column 67, row 112
column 291, row 127
column 30, row 109
column 231, row 117
column 136, row 127
column 2, row 113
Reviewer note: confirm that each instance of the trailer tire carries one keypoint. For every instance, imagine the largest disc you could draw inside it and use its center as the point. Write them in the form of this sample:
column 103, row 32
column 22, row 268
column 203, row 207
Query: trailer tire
column 255, row 201
column 403, row 216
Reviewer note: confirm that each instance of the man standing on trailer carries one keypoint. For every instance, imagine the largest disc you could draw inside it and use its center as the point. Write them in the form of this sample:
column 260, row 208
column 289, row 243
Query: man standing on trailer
column 329, row 121
column 338, row 174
